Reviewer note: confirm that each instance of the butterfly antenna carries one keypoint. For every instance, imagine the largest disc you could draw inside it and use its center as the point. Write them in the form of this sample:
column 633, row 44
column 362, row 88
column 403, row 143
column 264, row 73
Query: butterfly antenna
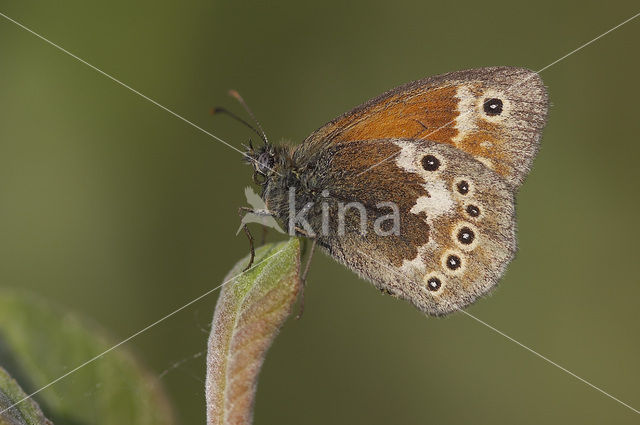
column 217, row 110
column 239, row 98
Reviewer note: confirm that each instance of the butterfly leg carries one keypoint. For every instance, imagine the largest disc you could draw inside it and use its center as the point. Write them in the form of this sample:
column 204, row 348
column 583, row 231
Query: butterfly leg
column 303, row 279
column 241, row 211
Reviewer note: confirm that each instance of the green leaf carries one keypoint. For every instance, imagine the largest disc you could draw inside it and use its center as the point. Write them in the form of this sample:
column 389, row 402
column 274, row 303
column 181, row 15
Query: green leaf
column 40, row 342
column 12, row 412
column 250, row 310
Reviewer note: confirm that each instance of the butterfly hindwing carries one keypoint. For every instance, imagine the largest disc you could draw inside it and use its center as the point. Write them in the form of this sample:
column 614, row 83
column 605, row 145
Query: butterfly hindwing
column 457, row 229
column 495, row 114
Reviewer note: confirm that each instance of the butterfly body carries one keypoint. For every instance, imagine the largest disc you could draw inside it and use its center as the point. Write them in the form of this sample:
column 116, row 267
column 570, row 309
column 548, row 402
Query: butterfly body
column 414, row 190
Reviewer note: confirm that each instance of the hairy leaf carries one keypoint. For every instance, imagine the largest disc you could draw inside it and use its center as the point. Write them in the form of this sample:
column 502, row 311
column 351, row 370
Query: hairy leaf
column 250, row 310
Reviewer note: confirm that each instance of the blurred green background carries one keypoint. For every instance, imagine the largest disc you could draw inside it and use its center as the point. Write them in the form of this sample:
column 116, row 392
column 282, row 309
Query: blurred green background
column 118, row 210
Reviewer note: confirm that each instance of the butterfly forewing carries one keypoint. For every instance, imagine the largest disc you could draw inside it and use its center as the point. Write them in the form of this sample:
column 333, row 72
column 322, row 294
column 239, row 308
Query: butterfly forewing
column 495, row 114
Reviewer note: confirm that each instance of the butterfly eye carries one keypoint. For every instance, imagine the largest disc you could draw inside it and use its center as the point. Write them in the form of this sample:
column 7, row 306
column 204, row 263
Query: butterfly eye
column 492, row 107
column 463, row 187
column 264, row 163
column 453, row 262
column 430, row 163
column 466, row 236
column 473, row 211
column 433, row 284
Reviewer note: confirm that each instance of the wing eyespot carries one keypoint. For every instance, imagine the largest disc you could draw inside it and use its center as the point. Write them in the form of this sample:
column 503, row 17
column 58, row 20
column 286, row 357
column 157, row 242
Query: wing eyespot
column 473, row 210
column 492, row 107
column 430, row 162
column 463, row 186
column 453, row 262
column 465, row 235
column 433, row 283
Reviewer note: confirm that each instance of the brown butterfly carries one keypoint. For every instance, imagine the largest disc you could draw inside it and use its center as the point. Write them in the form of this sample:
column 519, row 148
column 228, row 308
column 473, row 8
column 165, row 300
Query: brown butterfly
column 414, row 190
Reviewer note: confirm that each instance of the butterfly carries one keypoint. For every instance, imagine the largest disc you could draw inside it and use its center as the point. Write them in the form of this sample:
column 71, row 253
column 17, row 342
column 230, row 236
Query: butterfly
column 414, row 190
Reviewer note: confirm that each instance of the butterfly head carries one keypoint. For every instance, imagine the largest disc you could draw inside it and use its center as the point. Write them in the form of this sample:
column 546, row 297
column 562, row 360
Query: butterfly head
column 263, row 159
column 275, row 171
column 269, row 162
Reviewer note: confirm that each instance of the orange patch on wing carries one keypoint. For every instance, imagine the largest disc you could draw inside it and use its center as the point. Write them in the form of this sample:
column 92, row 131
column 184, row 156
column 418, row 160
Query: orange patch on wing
column 487, row 145
column 418, row 114
column 423, row 116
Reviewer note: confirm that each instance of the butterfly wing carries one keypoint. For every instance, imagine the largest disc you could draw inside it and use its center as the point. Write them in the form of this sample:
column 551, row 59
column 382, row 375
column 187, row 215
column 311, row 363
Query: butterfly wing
column 495, row 114
column 457, row 221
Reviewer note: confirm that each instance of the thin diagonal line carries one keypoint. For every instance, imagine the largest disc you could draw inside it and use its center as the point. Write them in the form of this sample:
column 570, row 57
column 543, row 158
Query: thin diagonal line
column 515, row 85
column 548, row 360
column 179, row 363
column 114, row 79
column 129, row 338
column 589, row 42
column 514, row 340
